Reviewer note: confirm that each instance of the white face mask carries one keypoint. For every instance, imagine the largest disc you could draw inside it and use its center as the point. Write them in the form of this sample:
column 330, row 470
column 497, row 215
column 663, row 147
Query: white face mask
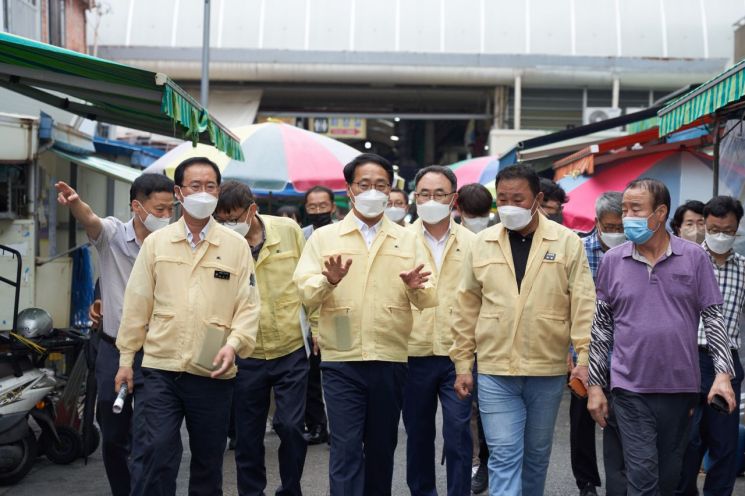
column 239, row 227
column 515, row 218
column 370, row 203
column 432, row 211
column 475, row 224
column 396, row 214
column 151, row 222
column 199, row 205
column 720, row 243
column 612, row 240
column 692, row 233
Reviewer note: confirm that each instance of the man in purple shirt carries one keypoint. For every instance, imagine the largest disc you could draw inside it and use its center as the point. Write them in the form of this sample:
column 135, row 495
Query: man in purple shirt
column 651, row 294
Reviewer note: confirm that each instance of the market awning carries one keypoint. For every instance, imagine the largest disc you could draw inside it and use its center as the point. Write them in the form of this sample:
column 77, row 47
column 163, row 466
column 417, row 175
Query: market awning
column 111, row 169
column 107, row 91
column 714, row 94
column 583, row 161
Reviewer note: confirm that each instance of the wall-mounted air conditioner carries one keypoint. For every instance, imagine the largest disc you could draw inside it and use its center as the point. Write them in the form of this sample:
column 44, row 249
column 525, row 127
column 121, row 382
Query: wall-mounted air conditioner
column 591, row 115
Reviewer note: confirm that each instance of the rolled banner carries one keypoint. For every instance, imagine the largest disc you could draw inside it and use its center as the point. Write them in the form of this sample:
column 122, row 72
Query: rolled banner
column 119, row 402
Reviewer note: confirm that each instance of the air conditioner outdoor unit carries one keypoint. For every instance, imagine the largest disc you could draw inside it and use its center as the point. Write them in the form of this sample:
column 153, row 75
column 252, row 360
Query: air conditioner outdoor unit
column 597, row 114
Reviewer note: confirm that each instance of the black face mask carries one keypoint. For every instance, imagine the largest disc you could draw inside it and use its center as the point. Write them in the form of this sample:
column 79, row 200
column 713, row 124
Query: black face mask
column 558, row 218
column 319, row 220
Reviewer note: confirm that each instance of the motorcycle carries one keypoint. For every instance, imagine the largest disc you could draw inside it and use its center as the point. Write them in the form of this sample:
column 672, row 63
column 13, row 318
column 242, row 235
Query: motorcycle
column 24, row 392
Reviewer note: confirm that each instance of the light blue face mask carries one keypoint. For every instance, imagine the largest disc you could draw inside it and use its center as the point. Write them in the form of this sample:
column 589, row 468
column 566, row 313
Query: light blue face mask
column 637, row 229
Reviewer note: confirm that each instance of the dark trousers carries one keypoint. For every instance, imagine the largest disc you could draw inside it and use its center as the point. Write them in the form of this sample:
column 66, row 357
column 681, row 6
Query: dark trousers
column 364, row 401
column 123, row 434
column 287, row 375
column 654, row 433
column 315, row 411
column 205, row 405
column 615, row 470
column 430, row 378
column 714, row 432
column 582, row 443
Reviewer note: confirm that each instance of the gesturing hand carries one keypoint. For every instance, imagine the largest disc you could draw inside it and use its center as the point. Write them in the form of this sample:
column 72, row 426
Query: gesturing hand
column 66, row 195
column 335, row 270
column 415, row 279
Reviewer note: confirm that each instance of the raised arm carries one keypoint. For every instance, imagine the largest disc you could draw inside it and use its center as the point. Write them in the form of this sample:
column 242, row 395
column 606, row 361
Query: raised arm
column 82, row 212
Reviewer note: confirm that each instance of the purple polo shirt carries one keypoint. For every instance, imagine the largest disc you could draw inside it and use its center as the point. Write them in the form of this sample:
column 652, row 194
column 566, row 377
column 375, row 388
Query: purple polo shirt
column 656, row 316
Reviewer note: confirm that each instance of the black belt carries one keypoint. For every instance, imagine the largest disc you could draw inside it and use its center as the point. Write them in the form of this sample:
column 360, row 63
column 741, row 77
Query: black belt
column 109, row 339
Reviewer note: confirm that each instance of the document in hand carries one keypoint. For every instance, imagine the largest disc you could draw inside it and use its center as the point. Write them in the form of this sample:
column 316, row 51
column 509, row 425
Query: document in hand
column 214, row 339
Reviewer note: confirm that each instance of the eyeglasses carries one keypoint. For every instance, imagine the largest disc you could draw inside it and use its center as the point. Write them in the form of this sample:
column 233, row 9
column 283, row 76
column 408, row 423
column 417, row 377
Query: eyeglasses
column 232, row 223
column 365, row 186
column 196, row 187
column 612, row 228
column 437, row 195
column 717, row 231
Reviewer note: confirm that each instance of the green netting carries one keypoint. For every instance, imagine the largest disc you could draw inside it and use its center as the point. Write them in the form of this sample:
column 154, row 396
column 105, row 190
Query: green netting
column 162, row 108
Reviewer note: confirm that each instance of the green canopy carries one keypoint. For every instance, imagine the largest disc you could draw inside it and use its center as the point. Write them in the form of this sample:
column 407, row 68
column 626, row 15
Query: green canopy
column 107, row 91
column 714, row 94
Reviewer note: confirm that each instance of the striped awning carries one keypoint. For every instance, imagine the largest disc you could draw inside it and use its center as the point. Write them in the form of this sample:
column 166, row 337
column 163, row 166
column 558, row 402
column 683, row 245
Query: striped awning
column 711, row 96
column 106, row 91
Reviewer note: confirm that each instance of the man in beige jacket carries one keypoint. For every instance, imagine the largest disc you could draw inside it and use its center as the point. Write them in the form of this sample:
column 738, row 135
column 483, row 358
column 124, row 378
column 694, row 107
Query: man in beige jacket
column 192, row 290
column 526, row 293
column 431, row 372
column 364, row 274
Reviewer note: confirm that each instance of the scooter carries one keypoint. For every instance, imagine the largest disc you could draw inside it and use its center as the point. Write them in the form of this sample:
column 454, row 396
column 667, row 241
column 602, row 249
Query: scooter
column 22, row 396
column 24, row 390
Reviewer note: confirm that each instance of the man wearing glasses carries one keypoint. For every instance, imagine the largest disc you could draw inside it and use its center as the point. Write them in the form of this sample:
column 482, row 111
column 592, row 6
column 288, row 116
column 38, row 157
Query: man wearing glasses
column 191, row 305
column 319, row 209
column 431, row 373
column 398, row 206
column 364, row 274
column 278, row 362
column 711, row 430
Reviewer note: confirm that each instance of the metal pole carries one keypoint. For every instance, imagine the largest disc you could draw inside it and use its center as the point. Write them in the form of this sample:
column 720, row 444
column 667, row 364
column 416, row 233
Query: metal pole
column 615, row 98
column 517, row 110
column 205, row 87
column 717, row 142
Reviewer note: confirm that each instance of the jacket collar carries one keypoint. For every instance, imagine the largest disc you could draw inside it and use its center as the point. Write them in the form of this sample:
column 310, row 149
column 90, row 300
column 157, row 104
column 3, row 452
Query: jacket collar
column 675, row 247
column 351, row 224
column 212, row 227
column 272, row 238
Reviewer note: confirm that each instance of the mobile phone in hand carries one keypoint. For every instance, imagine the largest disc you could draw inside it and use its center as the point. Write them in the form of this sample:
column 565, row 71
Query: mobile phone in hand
column 719, row 404
column 577, row 388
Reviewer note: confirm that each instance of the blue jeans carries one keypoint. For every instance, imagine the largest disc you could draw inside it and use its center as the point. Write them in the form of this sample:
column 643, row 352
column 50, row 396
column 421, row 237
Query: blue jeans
column 518, row 414
column 430, row 378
